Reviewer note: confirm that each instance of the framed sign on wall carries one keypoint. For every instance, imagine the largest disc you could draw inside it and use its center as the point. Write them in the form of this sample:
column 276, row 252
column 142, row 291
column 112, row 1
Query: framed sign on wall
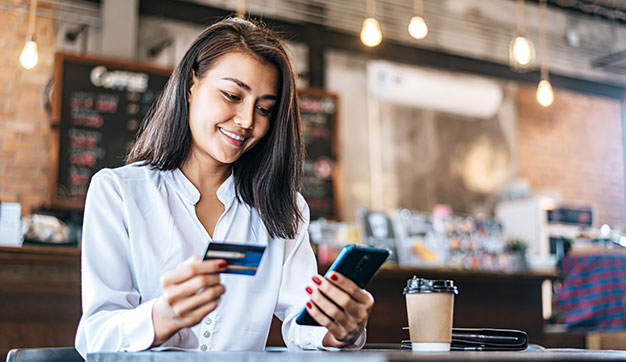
column 98, row 106
column 319, row 110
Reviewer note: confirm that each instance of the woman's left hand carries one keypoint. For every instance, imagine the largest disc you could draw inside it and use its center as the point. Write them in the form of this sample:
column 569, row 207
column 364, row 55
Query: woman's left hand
column 341, row 306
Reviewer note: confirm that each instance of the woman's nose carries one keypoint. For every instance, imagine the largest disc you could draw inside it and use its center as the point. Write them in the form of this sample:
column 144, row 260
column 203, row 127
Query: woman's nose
column 245, row 117
column 245, row 123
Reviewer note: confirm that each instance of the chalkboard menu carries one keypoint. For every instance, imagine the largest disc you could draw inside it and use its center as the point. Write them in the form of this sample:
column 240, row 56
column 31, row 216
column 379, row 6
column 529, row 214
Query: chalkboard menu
column 98, row 106
column 318, row 110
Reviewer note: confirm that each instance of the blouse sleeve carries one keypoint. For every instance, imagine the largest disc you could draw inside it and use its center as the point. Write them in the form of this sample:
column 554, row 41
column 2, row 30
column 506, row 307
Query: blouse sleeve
column 115, row 318
column 299, row 267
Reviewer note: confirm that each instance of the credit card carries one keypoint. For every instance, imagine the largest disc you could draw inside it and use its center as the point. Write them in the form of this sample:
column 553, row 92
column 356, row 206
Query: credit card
column 241, row 259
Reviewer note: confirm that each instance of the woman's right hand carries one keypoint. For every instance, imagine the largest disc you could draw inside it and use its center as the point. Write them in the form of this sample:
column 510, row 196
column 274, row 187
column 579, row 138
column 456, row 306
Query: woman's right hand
column 190, row 292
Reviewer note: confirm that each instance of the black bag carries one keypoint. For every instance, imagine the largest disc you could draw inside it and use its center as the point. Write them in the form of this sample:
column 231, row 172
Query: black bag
column 485, row 339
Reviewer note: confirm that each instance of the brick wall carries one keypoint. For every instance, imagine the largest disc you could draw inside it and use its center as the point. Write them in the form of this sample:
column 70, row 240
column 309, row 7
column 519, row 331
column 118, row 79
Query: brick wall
column 24, row 124
column 574, row 146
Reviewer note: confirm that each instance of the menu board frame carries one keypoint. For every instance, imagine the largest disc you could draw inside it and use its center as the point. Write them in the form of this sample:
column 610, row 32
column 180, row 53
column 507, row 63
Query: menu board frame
column 336, row 177
column 57, row 98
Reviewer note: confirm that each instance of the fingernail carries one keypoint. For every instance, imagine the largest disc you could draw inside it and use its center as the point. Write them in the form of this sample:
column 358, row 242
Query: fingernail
column 309, row 305
column 222, row 264
column 308, row 290
column 333, row 277
column 317, row 280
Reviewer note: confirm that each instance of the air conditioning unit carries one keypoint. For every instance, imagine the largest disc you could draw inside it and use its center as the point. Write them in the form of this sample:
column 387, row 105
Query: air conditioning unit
column 456, row 93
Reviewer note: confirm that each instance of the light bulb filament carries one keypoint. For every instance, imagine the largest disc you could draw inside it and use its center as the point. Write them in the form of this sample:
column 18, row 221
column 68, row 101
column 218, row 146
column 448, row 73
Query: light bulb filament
column 521, row 50
column 370, row 33
column 418, row 28
column 545, row 95
column 30, row 55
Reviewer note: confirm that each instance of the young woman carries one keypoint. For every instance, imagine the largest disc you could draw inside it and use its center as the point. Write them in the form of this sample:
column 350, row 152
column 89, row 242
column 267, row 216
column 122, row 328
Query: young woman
column 219, row 159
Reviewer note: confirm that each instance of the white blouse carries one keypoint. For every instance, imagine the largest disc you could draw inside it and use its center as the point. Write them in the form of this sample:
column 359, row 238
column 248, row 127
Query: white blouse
column 140, row 223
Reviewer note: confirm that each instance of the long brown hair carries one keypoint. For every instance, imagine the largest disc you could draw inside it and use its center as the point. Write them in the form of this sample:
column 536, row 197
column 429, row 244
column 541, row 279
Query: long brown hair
column 268, row 176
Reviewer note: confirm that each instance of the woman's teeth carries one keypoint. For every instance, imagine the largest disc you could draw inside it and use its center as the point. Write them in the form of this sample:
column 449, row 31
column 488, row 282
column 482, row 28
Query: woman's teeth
column 232, row 135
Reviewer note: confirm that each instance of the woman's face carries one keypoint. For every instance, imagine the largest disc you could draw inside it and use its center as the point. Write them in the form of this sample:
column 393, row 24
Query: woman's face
column 230, row 107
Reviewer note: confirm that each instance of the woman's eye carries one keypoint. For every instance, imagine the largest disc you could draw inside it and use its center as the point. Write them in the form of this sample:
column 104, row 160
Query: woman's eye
column 231, row 97
column 264, row 111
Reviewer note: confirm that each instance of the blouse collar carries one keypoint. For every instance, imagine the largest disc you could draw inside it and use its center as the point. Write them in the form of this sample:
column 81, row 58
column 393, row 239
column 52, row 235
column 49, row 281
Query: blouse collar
column 225, row 193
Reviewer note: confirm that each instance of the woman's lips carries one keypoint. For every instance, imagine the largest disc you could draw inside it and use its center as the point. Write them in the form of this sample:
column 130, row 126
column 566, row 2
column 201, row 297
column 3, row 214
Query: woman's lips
column 233, row 138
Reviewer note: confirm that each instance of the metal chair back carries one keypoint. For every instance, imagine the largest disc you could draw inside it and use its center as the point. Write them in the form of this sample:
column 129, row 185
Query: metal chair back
column 60, row 354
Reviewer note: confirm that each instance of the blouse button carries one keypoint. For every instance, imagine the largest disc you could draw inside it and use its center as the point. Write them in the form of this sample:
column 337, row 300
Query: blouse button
column 207, row 321
column 203, row 347
column 206, row 334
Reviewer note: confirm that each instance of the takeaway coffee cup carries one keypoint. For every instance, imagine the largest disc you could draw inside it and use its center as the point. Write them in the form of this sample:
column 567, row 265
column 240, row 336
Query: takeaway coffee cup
column 429, row 306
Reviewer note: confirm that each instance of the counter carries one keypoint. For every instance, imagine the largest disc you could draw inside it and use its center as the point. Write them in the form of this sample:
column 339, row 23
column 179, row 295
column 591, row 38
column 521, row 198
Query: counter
column 40, row 299
column 485, row 300
column 39, row 296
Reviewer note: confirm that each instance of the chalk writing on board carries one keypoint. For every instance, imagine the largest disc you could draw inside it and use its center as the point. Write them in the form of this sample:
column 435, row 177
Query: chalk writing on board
column 100, row 106
column 318, row 112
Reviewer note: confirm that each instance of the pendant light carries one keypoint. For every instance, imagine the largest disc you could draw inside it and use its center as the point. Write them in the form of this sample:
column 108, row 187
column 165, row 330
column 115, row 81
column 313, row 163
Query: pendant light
column 371, row 35
column 30, row 54
column 417, row 27
column 521, row 49
column 545, row 95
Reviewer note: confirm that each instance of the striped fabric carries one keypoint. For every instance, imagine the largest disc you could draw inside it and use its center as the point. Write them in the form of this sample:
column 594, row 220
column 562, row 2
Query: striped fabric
column 593, row 293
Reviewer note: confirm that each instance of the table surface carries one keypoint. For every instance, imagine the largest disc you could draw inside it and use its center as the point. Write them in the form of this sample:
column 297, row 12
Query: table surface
column 361, row 356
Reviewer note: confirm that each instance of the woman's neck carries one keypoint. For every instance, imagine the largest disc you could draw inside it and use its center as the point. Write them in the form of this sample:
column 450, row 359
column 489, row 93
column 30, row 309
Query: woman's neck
column 205, row 174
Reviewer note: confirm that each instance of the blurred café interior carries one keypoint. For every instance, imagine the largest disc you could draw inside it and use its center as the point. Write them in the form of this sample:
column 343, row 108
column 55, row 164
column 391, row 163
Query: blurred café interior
column 480, row 140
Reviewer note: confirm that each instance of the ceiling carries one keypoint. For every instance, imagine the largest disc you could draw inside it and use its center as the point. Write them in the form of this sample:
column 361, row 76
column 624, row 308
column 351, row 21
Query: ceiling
column 613, row 10
column 585, row 38
column 480, row 29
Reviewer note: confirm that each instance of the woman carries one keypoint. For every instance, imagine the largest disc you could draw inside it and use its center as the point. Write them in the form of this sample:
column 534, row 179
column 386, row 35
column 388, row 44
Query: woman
column 219, row 159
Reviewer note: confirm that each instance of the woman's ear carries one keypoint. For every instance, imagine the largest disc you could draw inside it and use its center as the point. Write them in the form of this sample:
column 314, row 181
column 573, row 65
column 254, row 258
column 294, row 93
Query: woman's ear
column 192, row 82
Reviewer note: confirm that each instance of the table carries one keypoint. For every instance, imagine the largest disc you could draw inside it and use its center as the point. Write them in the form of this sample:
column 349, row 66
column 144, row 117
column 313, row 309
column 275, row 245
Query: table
column 361, row 356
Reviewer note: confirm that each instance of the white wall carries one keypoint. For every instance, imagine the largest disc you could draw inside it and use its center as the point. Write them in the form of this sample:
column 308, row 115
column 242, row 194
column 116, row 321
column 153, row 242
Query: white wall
column 395, row 155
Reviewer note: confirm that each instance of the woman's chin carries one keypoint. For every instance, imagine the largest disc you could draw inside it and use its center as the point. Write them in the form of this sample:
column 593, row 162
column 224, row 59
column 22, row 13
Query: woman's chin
column 228, row 159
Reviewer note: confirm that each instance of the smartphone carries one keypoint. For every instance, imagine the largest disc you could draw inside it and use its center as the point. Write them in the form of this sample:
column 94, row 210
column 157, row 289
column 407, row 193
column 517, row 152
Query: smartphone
column 358, row 264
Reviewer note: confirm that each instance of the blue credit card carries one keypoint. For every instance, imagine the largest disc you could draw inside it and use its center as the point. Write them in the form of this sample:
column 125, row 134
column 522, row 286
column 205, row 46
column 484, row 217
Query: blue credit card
column 241, row 259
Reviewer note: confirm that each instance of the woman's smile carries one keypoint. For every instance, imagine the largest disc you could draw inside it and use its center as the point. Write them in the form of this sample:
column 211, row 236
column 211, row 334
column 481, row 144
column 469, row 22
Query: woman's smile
column 233, row 138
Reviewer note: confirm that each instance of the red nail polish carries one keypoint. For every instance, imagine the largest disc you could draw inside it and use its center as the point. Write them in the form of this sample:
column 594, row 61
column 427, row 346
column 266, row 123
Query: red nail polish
column 317, row 280
column 309, row 305
column 308, row 290
column 222, row 264
column 333, row 277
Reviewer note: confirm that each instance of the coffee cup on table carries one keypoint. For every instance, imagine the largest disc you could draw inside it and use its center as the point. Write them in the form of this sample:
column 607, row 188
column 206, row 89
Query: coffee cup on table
column 429, row 306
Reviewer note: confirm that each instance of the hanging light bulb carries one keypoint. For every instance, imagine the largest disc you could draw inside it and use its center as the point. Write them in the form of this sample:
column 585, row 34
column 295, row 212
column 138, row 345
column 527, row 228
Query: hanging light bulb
column 521, row 49
column 545, row 95
column 30, row 54
column 370, row 33
column 417, row 27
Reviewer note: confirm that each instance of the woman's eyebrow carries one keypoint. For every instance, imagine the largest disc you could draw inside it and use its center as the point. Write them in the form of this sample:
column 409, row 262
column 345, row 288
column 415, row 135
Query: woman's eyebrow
column 248, row 89
column 239, row 83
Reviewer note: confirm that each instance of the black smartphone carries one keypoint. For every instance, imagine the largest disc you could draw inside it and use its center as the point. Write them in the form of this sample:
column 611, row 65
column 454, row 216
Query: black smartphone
column 358, row 264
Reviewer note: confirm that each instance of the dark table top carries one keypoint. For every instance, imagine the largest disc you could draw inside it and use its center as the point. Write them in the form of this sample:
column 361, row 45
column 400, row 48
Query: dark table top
column 361, row 356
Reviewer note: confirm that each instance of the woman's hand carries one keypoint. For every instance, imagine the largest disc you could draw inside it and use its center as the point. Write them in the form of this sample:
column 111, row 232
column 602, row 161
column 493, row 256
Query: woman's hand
column 341, row 306
column 190, row 292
